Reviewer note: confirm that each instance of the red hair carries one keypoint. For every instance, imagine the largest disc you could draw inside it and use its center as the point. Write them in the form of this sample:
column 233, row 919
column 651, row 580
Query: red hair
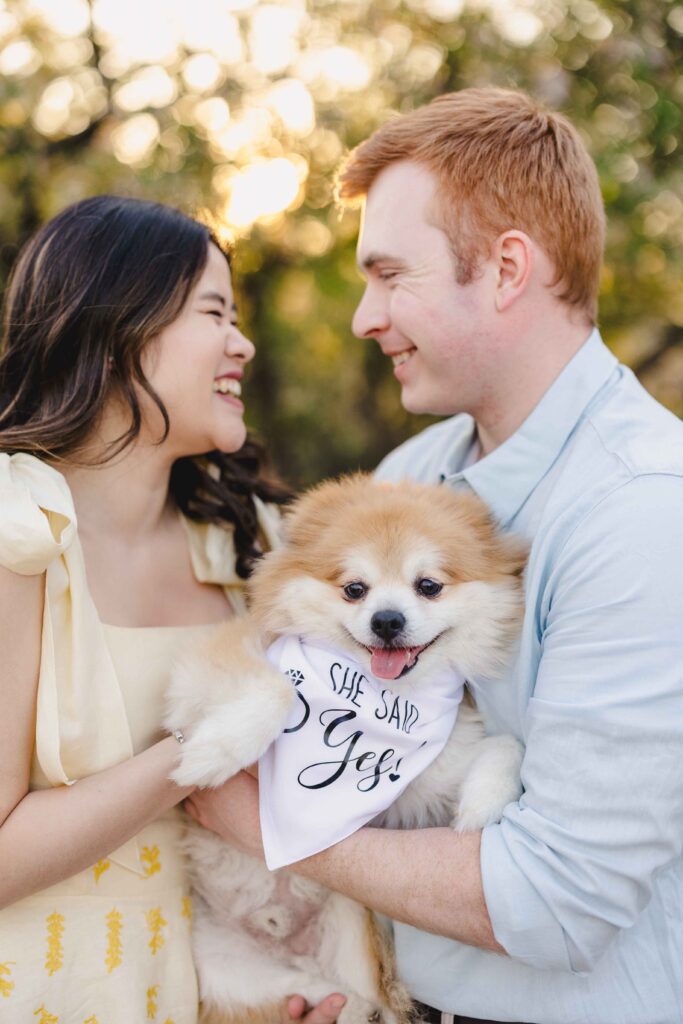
column 502, row 162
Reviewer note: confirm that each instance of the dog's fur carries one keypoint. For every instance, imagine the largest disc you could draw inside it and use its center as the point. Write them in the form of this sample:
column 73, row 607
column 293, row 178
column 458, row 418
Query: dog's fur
column 259, row 936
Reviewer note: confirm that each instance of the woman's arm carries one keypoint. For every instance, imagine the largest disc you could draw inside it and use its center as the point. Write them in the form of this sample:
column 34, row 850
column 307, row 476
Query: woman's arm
column 49, row 835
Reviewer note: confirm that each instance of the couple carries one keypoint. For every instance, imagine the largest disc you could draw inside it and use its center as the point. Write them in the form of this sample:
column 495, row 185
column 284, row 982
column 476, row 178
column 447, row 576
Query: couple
column 481, row 245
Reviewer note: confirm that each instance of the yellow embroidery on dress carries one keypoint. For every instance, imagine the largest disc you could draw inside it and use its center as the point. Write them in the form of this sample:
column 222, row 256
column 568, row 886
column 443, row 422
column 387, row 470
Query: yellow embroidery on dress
column 152, row 994
column 91, row 1020
column 187, row 908
column 155, row 922
column 150, row 860
column 114, row 956
column 45, row 1017
column 6, row 985
column 99, row 868
column 169, row 1021
column 54, row 958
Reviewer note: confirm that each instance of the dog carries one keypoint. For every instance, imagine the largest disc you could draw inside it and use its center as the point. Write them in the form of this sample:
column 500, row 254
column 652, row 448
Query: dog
column 406, row 583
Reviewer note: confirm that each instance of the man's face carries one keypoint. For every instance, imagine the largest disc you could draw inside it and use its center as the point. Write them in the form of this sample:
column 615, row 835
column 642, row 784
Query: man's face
column 437, row 332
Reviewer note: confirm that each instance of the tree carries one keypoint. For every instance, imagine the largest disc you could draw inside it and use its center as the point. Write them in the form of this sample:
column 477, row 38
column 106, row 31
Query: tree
column 246, row 108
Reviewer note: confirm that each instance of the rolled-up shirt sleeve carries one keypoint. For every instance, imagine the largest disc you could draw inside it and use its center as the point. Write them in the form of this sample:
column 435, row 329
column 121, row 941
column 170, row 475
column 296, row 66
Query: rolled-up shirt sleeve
column 573, row 862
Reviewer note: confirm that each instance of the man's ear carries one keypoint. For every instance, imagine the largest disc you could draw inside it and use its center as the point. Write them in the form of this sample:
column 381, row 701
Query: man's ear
column 513, row 254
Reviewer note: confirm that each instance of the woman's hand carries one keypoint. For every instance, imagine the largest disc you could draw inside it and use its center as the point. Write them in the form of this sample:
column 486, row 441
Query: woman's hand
column 232, row 811
column 326, row 1012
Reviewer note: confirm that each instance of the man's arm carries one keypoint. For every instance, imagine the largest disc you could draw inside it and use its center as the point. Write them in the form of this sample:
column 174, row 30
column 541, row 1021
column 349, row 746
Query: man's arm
column 575, row 862
column 428, row 878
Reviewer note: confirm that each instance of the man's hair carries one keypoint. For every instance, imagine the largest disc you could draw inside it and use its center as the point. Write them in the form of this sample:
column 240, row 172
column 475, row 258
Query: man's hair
column 502, row 162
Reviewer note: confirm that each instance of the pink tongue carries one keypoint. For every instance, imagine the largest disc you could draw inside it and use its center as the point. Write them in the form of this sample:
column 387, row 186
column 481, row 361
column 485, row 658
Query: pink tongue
column 389, row 662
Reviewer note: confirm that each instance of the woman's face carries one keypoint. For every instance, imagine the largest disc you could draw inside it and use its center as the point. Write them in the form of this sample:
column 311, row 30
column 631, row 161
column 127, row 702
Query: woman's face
column 196, row 365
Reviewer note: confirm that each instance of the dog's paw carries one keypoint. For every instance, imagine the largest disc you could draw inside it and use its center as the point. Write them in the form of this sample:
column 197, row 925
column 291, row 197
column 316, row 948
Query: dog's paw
column 490, row 785
column 234, row 735
column 359, row 1011
column 188, row 695
column 474, row 816
column 203, row 761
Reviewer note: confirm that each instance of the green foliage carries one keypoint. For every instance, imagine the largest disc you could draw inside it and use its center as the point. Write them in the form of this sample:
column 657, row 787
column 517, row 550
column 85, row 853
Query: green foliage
column 174, row 99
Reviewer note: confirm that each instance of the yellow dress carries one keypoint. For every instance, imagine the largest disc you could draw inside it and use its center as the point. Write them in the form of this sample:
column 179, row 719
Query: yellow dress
column 111, row 944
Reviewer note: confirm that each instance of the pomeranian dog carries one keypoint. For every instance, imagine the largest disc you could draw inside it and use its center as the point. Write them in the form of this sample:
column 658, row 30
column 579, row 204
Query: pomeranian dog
column 346, row 681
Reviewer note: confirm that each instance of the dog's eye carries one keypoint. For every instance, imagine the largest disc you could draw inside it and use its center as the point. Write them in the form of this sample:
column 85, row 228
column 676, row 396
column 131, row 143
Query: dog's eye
column 428, row 588
column 355, row 591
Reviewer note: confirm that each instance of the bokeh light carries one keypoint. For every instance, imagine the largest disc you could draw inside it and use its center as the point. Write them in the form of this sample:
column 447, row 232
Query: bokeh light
column 66, row 17
column 263, row 189
column 202, row 72
column 19, row 57
column 273, row 36
column 149, row 87
column 135, row 139
column 293, row 103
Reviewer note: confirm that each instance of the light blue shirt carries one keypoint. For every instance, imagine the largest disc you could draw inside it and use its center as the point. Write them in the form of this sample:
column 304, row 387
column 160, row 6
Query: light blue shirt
column 583, row 877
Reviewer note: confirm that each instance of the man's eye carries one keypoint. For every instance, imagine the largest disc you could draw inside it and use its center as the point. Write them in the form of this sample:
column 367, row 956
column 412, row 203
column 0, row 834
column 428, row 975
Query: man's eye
column 355, row 591
column 428, row 588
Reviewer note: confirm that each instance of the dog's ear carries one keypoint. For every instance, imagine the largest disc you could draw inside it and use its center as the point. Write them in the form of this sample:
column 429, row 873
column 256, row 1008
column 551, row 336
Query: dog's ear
column 319, row 508
column 494, row 552
column 515, row 553
column 509, row 551
column 299, row 558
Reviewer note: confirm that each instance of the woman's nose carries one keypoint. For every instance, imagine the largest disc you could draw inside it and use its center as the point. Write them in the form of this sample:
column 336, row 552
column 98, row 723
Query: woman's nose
column 238, row 346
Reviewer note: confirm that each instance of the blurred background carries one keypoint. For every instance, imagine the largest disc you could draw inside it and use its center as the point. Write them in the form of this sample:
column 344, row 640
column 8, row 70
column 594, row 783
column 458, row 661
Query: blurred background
column 244, row 110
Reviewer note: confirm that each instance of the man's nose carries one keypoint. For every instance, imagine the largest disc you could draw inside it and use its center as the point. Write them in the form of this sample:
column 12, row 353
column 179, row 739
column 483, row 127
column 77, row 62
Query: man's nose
column 371, row 316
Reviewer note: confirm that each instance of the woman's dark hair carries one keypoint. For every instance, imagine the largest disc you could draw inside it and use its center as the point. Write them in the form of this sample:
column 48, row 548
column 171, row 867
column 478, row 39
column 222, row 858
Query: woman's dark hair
column 87, row 294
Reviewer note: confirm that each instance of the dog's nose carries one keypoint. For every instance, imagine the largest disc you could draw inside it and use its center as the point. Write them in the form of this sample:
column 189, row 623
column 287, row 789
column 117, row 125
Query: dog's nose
column 387, row 624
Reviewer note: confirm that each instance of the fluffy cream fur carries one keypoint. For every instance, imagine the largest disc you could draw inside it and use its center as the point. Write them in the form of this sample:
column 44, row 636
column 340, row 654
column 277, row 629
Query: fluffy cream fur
column 259, row 936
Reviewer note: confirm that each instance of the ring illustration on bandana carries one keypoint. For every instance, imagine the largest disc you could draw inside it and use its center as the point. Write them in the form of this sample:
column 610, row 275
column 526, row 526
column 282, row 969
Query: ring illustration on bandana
column 298, row 678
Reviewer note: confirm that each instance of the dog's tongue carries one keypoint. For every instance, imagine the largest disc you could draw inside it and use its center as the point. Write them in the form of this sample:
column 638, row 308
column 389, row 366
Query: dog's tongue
column 389, row 662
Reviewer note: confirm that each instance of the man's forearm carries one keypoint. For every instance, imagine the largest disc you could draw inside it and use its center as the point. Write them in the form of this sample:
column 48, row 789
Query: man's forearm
column 428, row 878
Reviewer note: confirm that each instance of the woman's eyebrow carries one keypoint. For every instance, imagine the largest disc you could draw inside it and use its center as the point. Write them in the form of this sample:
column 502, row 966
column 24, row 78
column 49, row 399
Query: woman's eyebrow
column 214, row 297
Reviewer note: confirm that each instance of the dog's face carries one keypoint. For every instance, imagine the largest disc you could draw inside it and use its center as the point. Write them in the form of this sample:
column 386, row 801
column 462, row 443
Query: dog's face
column 405, row 577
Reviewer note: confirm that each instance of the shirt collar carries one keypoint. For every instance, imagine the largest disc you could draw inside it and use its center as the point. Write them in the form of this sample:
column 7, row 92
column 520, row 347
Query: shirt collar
column 505, row 478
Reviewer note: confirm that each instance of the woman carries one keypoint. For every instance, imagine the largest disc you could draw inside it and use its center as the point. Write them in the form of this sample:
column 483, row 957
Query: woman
column 121, row 362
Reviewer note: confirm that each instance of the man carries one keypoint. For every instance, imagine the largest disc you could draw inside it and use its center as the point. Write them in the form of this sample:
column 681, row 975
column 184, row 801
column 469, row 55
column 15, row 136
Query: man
column 481, row 243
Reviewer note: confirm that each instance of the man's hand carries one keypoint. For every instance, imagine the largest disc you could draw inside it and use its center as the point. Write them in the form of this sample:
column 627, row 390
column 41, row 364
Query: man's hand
column 232, row 811
column 326, row 1012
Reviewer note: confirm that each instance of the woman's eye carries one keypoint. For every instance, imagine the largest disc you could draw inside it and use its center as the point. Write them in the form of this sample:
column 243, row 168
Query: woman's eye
column 355, row 591
column 215, row 312
column 428, row 588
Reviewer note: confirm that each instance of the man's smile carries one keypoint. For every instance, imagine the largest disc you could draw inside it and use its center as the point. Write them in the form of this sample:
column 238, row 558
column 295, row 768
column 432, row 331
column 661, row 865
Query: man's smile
column 398, row 358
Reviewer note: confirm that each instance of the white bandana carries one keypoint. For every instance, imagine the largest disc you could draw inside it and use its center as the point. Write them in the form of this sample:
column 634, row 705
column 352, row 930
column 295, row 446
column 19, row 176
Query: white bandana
column 351, row 746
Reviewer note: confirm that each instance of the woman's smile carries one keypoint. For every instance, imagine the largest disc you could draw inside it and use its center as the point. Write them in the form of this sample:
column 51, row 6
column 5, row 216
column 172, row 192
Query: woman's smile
column 229, row 388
